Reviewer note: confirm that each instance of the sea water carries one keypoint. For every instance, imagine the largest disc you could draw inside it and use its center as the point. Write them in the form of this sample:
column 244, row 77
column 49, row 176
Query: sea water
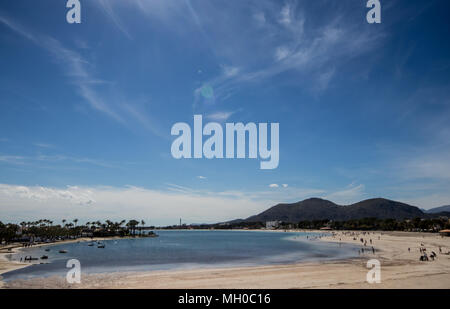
column 182, row 249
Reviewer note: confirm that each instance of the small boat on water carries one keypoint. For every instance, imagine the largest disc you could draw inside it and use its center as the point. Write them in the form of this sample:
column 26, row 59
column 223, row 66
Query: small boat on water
column 152, row 234
column 91, row 244
column 44, row 257
column 62, row 251
column 47, row 249
column 101, row 246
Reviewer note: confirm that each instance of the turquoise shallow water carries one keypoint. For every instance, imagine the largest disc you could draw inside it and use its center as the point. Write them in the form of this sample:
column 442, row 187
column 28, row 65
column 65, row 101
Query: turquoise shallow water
column 183, row 249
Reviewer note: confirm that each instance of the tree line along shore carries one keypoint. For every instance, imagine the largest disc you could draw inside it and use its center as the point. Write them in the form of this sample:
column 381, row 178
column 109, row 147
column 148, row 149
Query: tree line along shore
column 433, row 225
column 45, row 230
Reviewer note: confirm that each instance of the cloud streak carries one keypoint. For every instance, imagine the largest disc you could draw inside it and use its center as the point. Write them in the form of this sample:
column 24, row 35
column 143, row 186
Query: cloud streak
column 316, row 52
column 78, row 70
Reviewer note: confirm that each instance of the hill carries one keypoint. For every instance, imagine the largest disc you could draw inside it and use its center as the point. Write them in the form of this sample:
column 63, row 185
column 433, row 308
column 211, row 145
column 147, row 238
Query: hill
column 438, row 209
column 320, row 209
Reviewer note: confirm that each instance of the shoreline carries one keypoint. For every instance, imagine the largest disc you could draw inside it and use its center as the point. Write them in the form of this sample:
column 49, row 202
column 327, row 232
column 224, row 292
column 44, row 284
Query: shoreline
column 400, row 268
column 7, row 265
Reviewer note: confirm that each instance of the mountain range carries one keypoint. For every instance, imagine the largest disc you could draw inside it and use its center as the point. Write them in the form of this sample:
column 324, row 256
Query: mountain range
column 320, row 209
column 438, row 209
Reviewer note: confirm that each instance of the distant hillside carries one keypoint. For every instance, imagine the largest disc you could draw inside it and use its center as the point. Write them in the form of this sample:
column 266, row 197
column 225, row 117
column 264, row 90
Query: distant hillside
column 438, row 209
column 320, row 209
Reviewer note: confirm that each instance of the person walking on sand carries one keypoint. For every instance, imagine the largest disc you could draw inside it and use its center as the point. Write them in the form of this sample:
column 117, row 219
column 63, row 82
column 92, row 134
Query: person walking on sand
column 373, row 250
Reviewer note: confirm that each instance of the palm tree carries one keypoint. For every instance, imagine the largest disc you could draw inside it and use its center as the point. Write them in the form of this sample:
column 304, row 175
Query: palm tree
column 143, row 224
column 109, row 224
column 132, row 225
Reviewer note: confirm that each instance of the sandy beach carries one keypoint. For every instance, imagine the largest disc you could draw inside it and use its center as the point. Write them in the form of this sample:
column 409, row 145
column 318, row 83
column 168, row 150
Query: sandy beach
column 400, row 268
column 6, row 265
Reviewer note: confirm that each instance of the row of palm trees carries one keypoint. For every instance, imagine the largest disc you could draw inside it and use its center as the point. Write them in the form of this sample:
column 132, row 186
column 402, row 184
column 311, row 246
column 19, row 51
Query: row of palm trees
column 46, row 229
column 92, row 225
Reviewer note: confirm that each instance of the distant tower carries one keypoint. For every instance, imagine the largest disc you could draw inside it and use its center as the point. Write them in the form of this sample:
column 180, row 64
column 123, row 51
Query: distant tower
column 180, row 221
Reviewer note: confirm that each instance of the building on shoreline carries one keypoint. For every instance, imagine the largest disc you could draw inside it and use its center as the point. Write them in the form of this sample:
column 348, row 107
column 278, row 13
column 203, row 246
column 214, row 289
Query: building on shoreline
column 272, row 224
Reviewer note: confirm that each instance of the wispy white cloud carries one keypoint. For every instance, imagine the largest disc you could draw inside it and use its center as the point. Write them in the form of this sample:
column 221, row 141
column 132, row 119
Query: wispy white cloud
column 43, row 145
column 38, row 159
column 219, row 116
column 296, row 43
column 12, row 159
column 72, row 194
column 260, row 18
column 79, row 71
column 427, row 166
column 108, row 10
column 157, row 207
column 74, row 65
column 59, row 158
column 284, row 185
column 201, row 177
column 324, row 79
column 230, row 71
column 281, row 53
column 285, row 15
column 161, row 206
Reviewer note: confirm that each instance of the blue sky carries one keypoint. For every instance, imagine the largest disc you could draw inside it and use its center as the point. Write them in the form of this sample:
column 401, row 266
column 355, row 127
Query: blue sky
column 86, row 109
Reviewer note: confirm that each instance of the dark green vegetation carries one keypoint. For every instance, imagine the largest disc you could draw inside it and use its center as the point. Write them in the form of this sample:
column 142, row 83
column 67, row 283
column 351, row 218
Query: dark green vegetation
column 44, row 230
column 319, row 209
column 372, row 214
column 314, row 213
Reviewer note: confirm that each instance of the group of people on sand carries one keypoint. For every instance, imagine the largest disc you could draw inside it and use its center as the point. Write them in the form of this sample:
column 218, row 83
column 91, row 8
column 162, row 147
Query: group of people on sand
column 361, row 251
column 424, row 255
column 365, row 240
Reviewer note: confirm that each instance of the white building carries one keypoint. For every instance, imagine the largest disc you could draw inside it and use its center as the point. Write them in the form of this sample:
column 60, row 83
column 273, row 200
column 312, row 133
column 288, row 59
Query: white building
column 272, row 224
